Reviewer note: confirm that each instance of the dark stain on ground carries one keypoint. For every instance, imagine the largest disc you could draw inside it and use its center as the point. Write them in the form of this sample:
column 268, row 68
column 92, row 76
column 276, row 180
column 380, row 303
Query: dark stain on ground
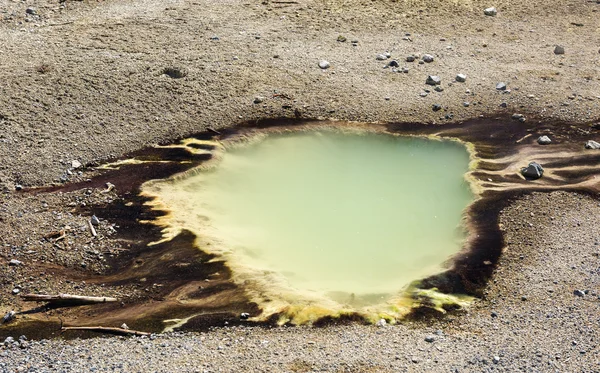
column 192, row 282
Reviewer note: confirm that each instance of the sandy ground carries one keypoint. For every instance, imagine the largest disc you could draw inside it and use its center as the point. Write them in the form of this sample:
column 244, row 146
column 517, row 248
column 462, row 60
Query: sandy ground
column 85, row 81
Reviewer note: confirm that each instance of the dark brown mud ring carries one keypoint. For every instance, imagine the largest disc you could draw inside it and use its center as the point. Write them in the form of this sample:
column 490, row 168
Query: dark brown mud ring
column 502, row 145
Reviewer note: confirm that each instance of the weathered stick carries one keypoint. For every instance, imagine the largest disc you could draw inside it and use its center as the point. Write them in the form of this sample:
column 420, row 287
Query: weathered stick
column 92, row 229
column 66, row 298
column 104, row 329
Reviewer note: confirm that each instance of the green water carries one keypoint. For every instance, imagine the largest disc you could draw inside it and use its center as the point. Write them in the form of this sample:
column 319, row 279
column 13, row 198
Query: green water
column 354, row 218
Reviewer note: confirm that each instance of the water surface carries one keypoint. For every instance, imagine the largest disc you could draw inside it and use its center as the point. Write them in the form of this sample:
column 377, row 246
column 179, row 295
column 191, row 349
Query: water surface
column 348, row 218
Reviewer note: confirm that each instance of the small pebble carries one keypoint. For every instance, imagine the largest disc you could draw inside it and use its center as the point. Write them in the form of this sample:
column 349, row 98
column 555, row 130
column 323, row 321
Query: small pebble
column 559, row 49
column 544, row 140
column 490, row 11
column 501, row 86
column 427, row 58
column 324, row 64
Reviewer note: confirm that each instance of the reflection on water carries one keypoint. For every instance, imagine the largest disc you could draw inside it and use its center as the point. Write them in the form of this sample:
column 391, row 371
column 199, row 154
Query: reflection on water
column 344, row 219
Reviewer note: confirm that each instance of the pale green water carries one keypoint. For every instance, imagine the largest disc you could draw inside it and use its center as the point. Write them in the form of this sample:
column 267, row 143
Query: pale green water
column 354, row 218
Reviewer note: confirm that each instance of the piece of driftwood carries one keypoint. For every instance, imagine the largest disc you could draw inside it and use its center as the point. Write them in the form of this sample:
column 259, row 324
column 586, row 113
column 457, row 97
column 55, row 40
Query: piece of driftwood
column 92, row 229
column 66, row 298
column 105, row 329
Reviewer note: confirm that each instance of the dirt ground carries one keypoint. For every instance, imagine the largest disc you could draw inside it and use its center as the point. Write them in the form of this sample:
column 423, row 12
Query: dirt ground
column 84, row 82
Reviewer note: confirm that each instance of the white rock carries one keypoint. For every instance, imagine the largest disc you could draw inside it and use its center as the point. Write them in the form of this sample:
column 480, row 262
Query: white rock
column 324, row 64
column 490, row 11
column 75, row 164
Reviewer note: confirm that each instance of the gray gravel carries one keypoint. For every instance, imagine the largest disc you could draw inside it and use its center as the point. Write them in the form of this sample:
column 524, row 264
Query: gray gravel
column 552, row 250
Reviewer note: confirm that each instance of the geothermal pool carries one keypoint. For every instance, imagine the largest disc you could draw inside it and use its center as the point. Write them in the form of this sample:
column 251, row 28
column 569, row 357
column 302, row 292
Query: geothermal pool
column 345, row 221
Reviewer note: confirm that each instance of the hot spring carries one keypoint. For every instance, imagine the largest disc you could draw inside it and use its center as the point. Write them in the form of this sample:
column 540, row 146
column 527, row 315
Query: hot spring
column 321, row 223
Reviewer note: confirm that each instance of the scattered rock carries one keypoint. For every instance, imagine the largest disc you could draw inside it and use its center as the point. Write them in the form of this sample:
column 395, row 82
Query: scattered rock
column 18, row 187
column 381, row 57
column 244, row 315
column 579, row 293
column 16, row 291
column 466, row 104
column 517, row 116
column 433, row 80
column 10, row 315
column 14, row 262
column 429, row 339
column 94, row 220
column 496, row 359
column 341, row 39
column 393, row 63
column 410, row 59
column 324, row 64
column 258, row 99
column 501, row 86
column 436, row 107
column 75, row 164
column 559, row 49
column 124, row 326
column 423, row 94
column 533, row 171
column 427, row 58
column 174, row 72
column 461, row 78
column 381, row 323
column 490, row 11
column 9, row 341
column 31, row 11
column 591, row 144
column 544, row 140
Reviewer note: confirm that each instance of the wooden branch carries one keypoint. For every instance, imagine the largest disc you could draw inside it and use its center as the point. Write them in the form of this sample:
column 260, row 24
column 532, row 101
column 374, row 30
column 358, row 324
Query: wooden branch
column 105, row 329
column 66, row 298
column 92, row 229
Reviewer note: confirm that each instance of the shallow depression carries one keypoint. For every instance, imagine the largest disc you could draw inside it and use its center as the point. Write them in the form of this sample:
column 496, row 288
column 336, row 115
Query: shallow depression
column 345, row 221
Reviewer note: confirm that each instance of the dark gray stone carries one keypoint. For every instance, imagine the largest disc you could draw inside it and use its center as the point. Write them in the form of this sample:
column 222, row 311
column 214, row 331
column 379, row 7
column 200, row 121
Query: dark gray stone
column 393, row 63
column 427, row 58
column 429, row 339
column 433, row 80
column 461, row 78
column 410, row 59
column 544, row 140
column 533, row 171
column 579, row 293
column 94, row 220
column 436, row 107
column 559, row 49
column 501, row 86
